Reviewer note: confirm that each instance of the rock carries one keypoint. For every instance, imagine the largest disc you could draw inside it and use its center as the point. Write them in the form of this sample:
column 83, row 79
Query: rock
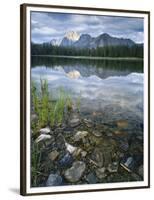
column 128, row 163
column 109, row 134
column 53, row 155
column 60, row 141
column 83, row 153
column 120, row 133
column 43, row 137
column 102, row 155
column 74, row 122
column 113, row 167
column 96, row 133
column 100, row 172
column 66, row 161
column 88, row 123
column 80, row 135
column 71, row 149
column 141, row 171
column 54, row 180
column 77, row 152
column 123, row 145
column 45, row 130
column 75, row 173
column 122, row 124
column 59, row 130
column 91, row 178
column 97, row 157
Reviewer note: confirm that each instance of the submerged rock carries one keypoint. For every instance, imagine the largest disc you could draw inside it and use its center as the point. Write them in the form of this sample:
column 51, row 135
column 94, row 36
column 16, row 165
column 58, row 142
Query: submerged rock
column 88, row 123
column 54, row 180
column 74, row 122
column 122, row 124
column 100, row 172
column 123, row 145
column 74, row 173
column 91, row 178
column 60, row 141
column 97, row 157
column 102, row 156
column 66, row 161
column 96, row 133
column 80, row 135
column 53, row 155
column 128, row 163
column 77, row 152
column 83, row 153
column 113, row 167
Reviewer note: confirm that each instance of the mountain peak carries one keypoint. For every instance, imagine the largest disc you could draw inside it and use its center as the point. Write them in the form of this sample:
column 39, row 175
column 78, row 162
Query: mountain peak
column 54, row 42
column 72, row 35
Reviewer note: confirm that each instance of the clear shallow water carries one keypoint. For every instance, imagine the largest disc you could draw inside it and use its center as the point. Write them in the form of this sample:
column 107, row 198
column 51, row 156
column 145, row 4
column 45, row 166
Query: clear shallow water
column 113, row 88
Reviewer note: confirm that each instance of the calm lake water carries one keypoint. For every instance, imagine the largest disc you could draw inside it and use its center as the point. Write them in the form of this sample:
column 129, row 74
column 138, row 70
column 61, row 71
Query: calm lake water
column 112, row 87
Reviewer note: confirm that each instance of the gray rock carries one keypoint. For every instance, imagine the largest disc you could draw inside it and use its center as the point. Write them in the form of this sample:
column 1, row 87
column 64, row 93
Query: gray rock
column 60, row 141
column 70, row 148
column 88, row 123
column 77, row 152
column 45, row 130
column 75, row 173
column 74, row 122
column 100, row 173
column 113, row 167
column 91, row 178
column 53, row 155
column 97, row 133
column 97, row 157
column 80, row 135
column 83, row 153
column 109, row 134
column 54, row 180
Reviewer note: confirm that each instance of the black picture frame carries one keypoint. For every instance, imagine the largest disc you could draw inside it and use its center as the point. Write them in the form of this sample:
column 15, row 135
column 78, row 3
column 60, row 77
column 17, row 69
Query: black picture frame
column 23, row 96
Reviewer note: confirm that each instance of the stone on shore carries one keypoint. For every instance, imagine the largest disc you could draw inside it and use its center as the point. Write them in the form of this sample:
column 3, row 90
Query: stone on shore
column 54, row 180
column 53, row 155
column 75, row 173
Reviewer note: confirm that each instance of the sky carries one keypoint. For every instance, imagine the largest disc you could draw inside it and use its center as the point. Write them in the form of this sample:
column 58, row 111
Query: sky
column 47, row 26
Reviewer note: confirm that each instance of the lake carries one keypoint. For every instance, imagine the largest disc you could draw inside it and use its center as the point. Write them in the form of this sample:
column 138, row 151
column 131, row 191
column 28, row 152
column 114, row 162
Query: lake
column 114, row 87
column 111, row 113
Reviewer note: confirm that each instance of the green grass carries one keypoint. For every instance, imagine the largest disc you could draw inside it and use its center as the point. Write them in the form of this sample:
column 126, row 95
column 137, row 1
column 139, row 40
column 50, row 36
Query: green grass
column 35, row 164
column 50, row 112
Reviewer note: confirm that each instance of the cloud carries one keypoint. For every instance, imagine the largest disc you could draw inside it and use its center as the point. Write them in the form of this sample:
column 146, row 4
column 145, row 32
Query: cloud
column 46, row 26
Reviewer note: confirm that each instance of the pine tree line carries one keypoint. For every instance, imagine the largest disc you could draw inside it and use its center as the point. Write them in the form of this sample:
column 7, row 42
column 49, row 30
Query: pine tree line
column 107, row 51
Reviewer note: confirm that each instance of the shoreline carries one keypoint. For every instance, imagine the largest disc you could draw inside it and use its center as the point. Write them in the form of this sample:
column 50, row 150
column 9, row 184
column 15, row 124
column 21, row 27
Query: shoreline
column 92, row 58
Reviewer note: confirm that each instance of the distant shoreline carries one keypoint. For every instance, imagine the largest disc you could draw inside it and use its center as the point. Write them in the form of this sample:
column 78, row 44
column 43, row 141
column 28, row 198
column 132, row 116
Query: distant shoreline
column 92, row 58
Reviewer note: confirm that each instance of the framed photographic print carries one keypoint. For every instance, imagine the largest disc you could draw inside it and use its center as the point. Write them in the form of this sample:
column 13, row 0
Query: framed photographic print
column 84, row 99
